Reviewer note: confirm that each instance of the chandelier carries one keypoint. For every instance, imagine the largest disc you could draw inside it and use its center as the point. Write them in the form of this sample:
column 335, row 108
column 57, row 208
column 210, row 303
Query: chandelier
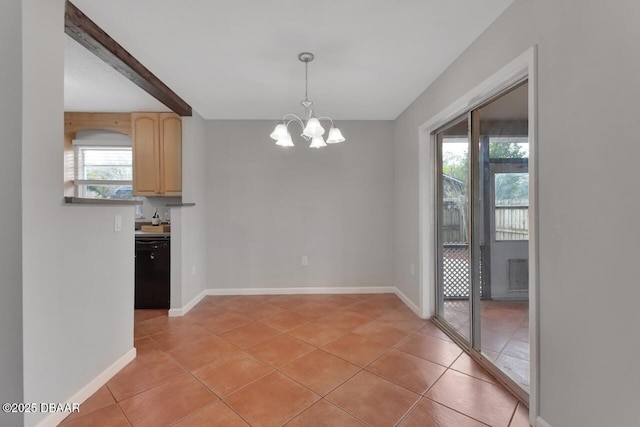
column 311, row 130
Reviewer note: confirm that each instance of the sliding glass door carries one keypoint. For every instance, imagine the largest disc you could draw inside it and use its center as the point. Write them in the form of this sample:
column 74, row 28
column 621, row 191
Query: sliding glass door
column 482, row 234
column 454, row 279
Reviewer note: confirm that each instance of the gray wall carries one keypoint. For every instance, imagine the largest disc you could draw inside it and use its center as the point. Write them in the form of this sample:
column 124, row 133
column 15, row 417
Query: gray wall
column 78, row 273
column 11, row 213
column 269, row 206
column 194, row 245
column 588, row 103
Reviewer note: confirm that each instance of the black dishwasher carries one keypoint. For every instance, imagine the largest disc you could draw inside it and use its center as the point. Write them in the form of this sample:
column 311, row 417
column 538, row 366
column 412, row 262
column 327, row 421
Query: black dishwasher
column 153, row 272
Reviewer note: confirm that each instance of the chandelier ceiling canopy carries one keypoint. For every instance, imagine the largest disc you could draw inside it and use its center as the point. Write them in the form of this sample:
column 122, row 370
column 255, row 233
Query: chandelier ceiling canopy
column 312, row 130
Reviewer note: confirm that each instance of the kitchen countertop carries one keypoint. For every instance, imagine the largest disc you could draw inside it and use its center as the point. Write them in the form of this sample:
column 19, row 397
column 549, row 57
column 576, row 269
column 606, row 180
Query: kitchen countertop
column 112, row 202
column 139, row 233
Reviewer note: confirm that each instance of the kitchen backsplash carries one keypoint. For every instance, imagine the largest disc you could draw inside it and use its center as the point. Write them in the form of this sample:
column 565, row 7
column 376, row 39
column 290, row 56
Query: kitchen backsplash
column 150, row 204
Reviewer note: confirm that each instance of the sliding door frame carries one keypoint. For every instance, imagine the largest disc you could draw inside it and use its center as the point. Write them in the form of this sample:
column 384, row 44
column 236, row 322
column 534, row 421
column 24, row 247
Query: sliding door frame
column 521, row 68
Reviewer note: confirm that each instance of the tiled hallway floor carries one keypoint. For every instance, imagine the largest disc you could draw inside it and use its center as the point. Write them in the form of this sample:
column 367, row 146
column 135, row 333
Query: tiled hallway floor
column 297, row 360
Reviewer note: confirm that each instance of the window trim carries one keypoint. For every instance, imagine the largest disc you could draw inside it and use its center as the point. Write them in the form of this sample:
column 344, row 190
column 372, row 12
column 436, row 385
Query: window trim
column 96, row 143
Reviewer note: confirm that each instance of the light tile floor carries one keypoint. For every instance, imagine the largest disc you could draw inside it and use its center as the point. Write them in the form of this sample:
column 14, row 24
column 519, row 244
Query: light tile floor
column 297, row 360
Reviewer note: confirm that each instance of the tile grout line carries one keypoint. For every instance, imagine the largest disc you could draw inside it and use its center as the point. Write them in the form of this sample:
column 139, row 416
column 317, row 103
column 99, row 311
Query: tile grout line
column 221, row 398
column 361, row 369
column 513, row 415
column 473, row 376
column 347, row 308
column 434, row 383
column 455, row 410
column 124, row 414
column 193, row 413
column 404, row 387
column 330, row 391
column 235, row 412
column 347, row 412
column 403, row 416
column 278, row 370
column 155, row 385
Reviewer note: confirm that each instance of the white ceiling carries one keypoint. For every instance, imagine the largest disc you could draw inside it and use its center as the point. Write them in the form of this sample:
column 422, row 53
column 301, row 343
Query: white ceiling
column 91, row 85
column 237, row 59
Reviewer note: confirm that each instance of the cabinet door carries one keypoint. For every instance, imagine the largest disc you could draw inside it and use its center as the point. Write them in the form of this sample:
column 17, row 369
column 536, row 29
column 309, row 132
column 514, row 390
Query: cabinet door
column 146, row 154
column 170, row 154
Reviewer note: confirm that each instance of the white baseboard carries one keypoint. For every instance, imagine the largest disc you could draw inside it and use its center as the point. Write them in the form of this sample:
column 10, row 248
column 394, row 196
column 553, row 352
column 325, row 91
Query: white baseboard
column 55, row 418
column 542, row 423
column 409, row 303
column 318, row 290
column 517, row 297
column 178, row 312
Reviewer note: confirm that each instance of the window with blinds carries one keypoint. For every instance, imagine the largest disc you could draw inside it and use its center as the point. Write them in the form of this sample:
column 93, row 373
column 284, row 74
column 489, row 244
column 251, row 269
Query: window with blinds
column 103, row 171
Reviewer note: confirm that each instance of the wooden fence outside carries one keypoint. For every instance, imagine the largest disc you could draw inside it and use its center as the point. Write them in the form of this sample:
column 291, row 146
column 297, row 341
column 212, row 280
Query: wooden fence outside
column 511, row 223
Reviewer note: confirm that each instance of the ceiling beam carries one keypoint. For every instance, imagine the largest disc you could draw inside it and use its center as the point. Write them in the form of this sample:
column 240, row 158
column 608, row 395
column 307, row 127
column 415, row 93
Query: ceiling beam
column 83, row 30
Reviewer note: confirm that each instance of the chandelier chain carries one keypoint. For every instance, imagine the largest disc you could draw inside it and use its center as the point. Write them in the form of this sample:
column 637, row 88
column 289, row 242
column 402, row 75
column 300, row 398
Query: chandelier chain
column 306, row 81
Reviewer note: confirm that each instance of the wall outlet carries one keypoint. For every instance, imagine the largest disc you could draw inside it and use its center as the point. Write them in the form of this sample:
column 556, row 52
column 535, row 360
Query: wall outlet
column 117, row 223
column 193, row 270
column 412, row 268
column 305, row 260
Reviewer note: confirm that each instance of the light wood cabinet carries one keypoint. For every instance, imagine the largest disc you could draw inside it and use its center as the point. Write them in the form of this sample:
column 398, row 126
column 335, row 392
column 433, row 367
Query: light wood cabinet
column 170, row 154
column 157, row 154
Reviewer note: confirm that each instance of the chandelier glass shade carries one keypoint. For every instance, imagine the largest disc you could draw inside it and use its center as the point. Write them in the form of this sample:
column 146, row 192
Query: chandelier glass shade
column 312, row 130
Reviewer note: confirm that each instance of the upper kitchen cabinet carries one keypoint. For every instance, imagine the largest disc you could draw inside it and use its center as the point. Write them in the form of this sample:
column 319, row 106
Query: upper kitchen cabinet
column 157, row 154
